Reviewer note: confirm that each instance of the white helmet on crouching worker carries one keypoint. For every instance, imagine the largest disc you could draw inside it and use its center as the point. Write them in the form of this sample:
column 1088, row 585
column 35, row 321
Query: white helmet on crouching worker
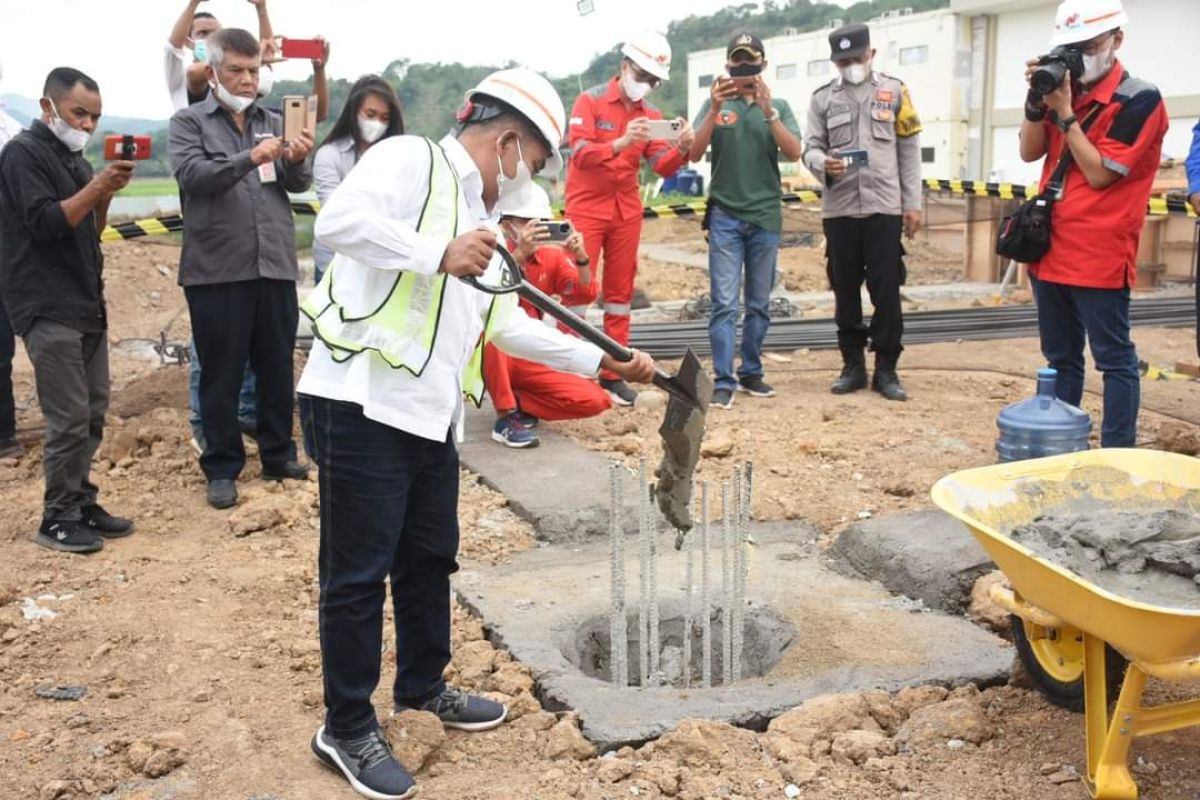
column 531, row 202
column 535, row 99
column 1079, row 21
column 651, row 52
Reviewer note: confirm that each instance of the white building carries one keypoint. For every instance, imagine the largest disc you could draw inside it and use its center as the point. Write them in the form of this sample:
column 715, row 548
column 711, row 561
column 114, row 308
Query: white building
column 1006, row 33
column 930, row 52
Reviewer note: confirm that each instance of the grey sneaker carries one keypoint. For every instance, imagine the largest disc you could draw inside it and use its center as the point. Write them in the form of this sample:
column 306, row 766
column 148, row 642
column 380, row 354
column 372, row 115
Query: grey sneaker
column 367, row 763
column 68, row 536
column 466, row 712
column 755, row 386
column 722, row 398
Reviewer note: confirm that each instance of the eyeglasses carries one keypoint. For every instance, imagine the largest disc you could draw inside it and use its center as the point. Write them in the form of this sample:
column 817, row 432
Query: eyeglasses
column 641, row 76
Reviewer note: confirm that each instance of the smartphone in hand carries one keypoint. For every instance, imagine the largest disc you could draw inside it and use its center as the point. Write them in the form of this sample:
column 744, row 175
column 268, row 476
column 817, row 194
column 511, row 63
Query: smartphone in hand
column 666, row 129
column 126, row 148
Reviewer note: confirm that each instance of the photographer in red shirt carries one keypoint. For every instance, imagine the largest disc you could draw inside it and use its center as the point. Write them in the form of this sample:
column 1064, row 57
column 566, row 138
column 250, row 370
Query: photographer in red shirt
column 1113, row 125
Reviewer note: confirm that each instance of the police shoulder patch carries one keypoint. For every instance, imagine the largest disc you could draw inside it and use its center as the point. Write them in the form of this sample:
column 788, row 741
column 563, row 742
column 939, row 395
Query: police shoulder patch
column 908, row 123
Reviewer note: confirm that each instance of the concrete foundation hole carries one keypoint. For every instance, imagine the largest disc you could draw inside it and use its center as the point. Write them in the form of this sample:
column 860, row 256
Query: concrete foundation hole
column 766, row 635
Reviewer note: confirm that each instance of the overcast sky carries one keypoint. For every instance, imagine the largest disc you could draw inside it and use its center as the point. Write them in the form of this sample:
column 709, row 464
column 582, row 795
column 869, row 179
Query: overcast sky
column 120, row 42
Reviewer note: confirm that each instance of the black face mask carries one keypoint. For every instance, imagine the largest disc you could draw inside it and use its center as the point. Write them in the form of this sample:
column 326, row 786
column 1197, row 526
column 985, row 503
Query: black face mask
column 744, row 70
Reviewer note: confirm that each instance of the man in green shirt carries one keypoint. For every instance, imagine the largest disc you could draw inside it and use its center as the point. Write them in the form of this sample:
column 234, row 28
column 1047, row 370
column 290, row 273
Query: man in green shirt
column 748, row 131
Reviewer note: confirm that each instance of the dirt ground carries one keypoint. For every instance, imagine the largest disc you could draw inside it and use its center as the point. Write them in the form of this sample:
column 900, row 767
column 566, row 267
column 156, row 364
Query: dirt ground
column 801, row 265
column 196, row 638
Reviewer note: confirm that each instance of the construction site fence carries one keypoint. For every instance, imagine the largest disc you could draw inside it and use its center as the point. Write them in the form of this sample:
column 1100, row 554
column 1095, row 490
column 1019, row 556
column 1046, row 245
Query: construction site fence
column 1158, row 206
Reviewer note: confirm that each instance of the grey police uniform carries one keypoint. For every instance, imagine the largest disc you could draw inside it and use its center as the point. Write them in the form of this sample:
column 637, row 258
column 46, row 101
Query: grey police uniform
column 862, row 209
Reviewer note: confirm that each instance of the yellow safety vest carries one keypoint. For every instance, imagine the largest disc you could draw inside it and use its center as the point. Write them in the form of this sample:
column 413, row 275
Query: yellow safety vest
column 403, row 329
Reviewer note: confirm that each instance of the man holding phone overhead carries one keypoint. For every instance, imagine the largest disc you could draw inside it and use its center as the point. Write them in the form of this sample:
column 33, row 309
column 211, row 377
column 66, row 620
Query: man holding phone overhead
column 610, row 132
column 863, row 144
column 749, row 130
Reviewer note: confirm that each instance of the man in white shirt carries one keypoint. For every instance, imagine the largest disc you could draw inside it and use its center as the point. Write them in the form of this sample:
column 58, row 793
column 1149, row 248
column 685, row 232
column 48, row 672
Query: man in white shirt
column 381, row 399
column 9, row 446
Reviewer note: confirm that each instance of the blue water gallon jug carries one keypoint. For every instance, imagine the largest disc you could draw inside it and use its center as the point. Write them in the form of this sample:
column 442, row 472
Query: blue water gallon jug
column 1042, row 425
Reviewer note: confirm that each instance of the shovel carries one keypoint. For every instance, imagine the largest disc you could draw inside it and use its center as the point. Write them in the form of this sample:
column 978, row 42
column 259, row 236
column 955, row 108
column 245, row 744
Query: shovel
column 688, row 395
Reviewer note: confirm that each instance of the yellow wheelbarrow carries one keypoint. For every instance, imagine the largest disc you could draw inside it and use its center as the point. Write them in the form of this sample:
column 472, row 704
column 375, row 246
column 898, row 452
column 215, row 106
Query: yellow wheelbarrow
column 1064, row 623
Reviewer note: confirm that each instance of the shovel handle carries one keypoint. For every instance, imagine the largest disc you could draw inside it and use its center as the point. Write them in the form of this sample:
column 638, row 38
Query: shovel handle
column 512, row 279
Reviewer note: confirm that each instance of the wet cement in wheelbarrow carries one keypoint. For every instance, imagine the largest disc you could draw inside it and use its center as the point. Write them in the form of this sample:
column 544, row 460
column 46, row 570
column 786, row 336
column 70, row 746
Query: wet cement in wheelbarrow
column 1151, row 556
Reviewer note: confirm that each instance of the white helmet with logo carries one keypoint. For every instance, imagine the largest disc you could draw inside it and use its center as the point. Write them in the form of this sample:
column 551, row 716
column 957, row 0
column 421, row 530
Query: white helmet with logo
column 650, row 51
column 1078, row 21
column 530, row 202
column 535, row 98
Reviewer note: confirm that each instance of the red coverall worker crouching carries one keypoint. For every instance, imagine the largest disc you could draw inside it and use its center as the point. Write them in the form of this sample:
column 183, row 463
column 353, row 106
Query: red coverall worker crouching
column 524, row 392
column 608, row 135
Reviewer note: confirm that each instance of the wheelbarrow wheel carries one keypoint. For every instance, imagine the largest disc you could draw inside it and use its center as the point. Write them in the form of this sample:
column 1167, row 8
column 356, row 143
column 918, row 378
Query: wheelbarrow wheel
column 1054, row 659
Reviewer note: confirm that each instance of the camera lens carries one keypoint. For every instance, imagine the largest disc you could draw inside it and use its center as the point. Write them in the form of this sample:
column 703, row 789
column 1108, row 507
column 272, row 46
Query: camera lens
column 563, row 227
column 1047, row 77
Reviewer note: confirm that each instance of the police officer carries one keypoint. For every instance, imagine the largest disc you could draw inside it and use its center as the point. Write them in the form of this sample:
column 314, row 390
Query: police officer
column 862, row 142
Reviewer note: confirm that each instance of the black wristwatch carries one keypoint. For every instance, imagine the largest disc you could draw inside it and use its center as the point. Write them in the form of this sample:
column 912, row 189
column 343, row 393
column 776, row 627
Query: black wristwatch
column 1064, row 125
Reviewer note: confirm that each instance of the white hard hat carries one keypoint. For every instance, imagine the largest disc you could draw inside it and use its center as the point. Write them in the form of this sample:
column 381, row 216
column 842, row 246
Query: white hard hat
column 533, row 96
column 530, row 202
column 1080, row 20
column 650, row 51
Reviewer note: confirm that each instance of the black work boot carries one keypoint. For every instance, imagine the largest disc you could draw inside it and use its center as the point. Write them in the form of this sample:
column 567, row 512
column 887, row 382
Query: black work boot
column 854, row 371
column 886, row 381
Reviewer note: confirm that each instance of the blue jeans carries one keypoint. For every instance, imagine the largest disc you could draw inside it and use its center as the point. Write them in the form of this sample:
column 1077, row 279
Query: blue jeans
column 389, row 513
column 247, row 404
column 732, row 243
column 1070, row 315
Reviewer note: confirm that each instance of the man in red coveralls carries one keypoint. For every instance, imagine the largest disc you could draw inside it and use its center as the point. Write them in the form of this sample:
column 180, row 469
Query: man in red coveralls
column 609, row 136
column 524, row 392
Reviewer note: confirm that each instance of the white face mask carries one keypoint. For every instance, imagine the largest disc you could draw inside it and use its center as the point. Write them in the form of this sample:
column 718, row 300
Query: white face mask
column 1096, row 66
column 855, row 73
column 634, row 90
column 74, row 139
column 371, row 130
column 266, row 81
column 233, row 102
column 507, row 186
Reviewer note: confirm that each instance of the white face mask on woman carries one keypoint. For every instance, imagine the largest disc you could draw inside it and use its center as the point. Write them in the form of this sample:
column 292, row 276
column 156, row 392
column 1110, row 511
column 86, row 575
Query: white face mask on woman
column 371, row 130
column 74, row 139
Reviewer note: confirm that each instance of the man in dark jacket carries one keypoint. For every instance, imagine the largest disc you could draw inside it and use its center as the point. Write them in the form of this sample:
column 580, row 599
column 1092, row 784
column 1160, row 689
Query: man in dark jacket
column 52, row 209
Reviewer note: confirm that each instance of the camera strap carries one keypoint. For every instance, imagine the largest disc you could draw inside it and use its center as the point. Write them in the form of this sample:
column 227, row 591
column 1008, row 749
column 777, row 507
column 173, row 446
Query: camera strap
column 1056, row 184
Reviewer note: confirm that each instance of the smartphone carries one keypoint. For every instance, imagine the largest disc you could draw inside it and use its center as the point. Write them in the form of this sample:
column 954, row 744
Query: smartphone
column 126, row 148
column 559, row 229
column 310, row 120
column 295, row 116
column 855, row 158
column 667, row 129
column 302, row 48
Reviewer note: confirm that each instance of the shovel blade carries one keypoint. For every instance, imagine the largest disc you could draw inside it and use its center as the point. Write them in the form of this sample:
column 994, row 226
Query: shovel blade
column 682, row 432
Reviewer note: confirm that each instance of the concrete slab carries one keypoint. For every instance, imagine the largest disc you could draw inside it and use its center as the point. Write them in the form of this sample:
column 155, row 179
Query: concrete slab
column 849, row 634
column 560, row 487
column 926, row 555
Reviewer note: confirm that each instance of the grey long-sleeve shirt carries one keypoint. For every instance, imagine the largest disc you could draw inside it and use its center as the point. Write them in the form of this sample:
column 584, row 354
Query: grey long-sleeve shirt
column 876, row 116
column 235, row 226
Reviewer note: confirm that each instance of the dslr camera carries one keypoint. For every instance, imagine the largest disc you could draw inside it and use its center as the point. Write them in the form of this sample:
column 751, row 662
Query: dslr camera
column 1053, row 66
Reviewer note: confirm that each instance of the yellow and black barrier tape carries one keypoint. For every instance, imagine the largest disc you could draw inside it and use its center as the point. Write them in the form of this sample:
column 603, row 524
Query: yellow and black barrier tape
column 1158, row 206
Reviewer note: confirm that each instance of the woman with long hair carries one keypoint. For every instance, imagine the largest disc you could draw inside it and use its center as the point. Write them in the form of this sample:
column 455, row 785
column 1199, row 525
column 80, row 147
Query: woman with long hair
column 371, row 114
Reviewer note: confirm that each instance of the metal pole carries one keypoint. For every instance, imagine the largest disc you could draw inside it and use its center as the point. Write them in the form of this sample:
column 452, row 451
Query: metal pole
column 726, row 585
column 617, row 632
column 644, row 574
column 652, row 528
column 735, row 611
column 688, row 584
column 705, row 594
